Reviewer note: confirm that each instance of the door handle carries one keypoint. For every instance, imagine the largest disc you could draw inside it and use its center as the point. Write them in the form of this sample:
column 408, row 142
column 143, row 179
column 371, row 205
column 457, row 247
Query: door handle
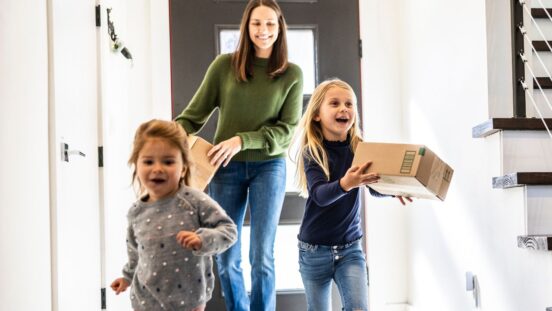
column 65, row 152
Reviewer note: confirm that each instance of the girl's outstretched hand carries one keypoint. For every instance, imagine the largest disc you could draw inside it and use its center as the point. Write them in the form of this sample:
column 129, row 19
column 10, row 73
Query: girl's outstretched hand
column 402, row 199
column 189, row 239
column 119, row 285
column 222, row 152
column 356, row 177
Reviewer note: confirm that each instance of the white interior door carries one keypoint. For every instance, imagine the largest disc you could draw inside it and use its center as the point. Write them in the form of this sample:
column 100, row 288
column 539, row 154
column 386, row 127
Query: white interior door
column 73, row 121
column 131, row 93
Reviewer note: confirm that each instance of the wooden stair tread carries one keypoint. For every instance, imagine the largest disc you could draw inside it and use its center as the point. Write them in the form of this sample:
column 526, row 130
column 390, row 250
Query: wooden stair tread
column 521, row 179
column 540, row 13
column 535, row 242
column 494, row 125
column 541, row 46
column 545, row 83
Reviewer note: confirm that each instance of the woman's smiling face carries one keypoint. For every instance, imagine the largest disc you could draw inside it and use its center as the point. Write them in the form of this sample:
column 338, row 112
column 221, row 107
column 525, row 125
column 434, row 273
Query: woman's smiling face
column 263, row 30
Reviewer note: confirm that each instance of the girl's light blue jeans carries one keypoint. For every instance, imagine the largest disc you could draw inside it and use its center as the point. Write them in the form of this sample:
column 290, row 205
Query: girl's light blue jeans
column 344, row 264
column 261, row 185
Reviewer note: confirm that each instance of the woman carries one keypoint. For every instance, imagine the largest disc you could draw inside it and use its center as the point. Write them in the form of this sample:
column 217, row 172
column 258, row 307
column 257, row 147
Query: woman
column 259, row 95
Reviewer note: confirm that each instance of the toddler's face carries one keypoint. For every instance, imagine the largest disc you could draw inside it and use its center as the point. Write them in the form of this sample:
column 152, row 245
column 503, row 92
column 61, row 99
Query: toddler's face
column 159, row 168
column 337, row 114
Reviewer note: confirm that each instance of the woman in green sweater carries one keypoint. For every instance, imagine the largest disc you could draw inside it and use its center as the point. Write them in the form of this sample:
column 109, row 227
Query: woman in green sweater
column 259, row 95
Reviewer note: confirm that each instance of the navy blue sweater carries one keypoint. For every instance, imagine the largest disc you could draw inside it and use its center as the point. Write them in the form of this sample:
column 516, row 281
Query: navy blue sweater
column 332, row 216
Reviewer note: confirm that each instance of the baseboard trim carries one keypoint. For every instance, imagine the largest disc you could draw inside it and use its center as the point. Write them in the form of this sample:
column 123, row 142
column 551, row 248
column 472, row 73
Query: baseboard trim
column 398, row 307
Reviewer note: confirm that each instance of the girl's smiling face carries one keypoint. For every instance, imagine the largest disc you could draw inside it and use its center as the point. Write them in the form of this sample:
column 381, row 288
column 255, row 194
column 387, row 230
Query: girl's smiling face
column 337, row 114
column 159, row 168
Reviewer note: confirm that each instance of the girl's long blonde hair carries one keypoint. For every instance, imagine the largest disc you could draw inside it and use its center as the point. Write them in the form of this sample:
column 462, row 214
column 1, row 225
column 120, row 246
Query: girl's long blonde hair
column 310, row 135
column 171, row 132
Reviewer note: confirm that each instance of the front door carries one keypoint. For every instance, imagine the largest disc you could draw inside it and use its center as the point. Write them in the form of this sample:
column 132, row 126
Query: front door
column 323, row 38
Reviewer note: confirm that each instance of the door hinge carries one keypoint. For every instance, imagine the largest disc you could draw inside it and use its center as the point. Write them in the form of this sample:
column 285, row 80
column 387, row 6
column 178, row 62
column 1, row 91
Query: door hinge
column 360, row 48
column 104, row 307
column 98, row 16
column 100, row 156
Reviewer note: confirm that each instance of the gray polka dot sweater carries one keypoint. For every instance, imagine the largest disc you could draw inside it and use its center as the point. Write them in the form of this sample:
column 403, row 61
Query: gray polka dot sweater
column 164, row 275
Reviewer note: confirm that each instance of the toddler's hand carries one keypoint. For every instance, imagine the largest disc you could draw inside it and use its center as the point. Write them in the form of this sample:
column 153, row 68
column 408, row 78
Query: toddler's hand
column 189, row 239
column 119, row 285
column 355, row 177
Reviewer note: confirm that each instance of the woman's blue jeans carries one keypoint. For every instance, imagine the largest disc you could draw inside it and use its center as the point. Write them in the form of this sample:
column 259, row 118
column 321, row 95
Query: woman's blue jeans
column 261, row 185
column 345, row 264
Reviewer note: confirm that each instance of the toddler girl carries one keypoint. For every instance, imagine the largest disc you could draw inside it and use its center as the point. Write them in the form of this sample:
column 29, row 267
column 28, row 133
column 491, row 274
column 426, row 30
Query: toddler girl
column 172, row 229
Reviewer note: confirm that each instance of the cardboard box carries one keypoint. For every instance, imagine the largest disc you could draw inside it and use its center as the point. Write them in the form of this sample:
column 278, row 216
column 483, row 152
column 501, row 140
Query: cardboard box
column 405, row 170
column 201, row 171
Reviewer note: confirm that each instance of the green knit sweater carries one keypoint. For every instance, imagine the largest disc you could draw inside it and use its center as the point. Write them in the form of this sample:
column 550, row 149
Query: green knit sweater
column 263, row 112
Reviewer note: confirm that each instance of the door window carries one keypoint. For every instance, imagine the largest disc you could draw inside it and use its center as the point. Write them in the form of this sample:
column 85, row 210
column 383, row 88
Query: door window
column 301, row 48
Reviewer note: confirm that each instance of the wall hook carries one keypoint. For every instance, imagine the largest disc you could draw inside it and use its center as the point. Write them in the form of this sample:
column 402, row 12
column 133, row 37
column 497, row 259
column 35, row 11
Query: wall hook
column 116, row 45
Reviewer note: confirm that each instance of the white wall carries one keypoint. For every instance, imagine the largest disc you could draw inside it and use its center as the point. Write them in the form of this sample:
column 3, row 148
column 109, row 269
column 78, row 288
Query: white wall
column 499, row 58
column 444, row 96
column 24, row 182
column 446, row 88
column 131, row 94
column 380, row 23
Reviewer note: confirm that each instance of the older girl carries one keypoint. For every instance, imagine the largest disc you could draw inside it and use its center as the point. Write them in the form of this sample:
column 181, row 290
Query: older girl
column 330, row 234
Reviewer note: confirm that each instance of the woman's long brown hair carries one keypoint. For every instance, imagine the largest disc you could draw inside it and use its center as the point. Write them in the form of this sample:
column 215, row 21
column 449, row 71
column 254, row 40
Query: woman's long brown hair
column 242, row 59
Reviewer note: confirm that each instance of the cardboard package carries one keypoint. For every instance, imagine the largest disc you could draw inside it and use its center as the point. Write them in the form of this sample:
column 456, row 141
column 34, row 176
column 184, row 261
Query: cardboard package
column 405, row 170
column 201, row 171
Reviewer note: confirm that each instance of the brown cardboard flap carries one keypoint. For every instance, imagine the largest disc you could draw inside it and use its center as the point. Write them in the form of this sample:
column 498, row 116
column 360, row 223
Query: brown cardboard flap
column 388, row 159
column 426, row 165
column 192, row 140
column 436, row 176
column 201, row 170
column 445, row 182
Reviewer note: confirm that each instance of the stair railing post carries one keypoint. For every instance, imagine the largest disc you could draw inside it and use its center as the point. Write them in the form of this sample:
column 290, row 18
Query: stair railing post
column 518, row 67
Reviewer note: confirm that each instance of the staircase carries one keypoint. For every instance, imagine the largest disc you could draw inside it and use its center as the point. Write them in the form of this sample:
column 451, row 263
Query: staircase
column 524, row 142
column 525, row 150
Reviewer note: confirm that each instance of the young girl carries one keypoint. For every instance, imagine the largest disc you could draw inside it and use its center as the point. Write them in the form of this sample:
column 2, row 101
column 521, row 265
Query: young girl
column 330, row 233
column 259, row 95
column 173, row 229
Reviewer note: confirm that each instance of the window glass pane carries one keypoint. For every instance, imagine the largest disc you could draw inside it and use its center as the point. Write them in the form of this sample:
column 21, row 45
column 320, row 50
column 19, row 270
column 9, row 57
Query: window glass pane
column 300, row 48
column 228, row 40
column 301, row 52
column 286, row 258
column 291, row 168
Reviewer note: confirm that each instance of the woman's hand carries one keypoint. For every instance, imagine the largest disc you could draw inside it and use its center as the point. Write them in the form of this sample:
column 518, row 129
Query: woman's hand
column 355, row 177
column 402, row 199
column 119, row 285
column 224, row 151
column 189, row 239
